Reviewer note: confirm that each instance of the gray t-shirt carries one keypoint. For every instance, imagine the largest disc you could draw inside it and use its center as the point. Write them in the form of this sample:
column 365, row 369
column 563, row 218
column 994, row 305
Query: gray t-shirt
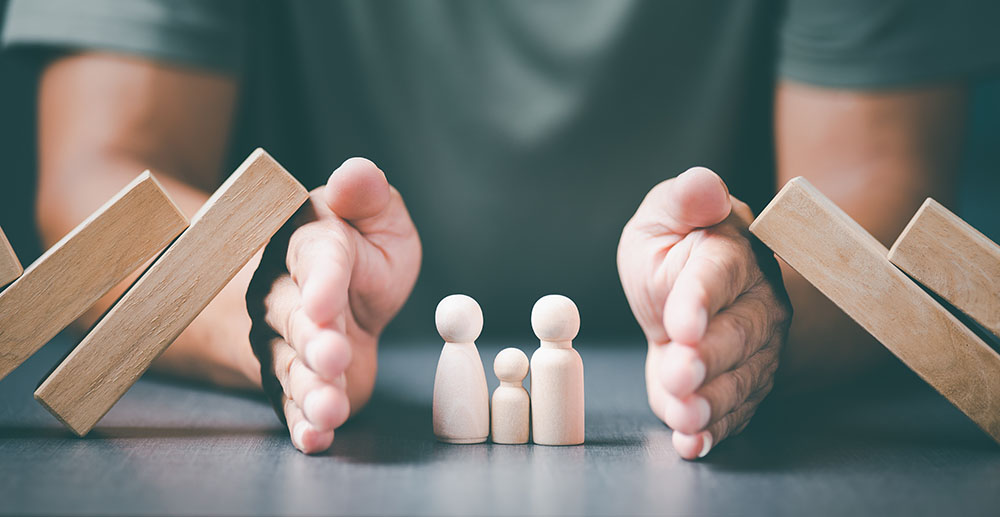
column 523, row 134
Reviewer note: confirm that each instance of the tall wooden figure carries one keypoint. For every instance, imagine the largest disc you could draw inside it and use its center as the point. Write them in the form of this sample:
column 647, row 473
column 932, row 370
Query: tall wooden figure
column 511, row 405
column 461, row 410
column 557, row 408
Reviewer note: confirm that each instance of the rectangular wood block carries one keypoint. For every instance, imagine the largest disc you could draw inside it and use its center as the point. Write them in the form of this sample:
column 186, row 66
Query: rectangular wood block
column 102, row 251
column 850, row 267
column 10, row 266
column 234, row 223
column 948, row 256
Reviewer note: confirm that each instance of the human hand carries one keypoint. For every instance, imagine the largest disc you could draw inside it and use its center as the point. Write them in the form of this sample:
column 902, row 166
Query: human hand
column 327, row 285
column 711, row 303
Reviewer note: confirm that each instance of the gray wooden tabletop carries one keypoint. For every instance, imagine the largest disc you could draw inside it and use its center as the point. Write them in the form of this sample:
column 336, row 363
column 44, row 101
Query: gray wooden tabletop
column 873, row 447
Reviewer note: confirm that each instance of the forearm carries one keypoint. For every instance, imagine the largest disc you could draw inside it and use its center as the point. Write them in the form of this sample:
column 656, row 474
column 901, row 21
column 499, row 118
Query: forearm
column 214, row 347
column 103, row 119
column 878, row 155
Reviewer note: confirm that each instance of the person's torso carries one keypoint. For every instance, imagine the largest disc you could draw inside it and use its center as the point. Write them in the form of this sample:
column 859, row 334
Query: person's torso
column 522, row 135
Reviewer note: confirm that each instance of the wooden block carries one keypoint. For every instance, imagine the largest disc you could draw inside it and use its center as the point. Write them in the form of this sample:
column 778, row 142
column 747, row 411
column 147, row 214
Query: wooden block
column 948, row 256
column 850, row 267
column 84, row 265
column 10, row 266
column 233, row 224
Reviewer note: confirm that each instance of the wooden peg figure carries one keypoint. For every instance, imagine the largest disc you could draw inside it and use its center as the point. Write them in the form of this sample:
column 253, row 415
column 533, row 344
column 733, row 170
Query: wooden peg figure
column 511, row 404
column 557, row 407
column 461, row 408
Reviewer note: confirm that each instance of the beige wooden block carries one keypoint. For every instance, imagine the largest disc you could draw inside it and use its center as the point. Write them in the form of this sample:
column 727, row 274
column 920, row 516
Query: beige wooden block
column 948, row 256
column 850, row 267
column 233, row 224
column 97, row 255
column 10, row 266
column 511, row 407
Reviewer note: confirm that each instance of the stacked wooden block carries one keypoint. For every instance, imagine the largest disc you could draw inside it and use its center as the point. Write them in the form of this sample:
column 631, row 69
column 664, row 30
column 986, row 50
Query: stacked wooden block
column 870, row 283
column 121, row 236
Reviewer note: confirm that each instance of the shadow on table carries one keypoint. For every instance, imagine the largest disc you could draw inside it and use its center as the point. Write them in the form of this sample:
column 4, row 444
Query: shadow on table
column 391, row 429
column 879, row 417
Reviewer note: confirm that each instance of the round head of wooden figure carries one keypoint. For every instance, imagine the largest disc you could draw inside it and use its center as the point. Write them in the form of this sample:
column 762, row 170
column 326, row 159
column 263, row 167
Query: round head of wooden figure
column 511, row 365
column 555, row 319
column 459, row 319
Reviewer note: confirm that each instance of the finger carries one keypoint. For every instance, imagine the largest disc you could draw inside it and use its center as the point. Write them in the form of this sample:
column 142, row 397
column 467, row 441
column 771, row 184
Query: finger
column 305, row 437
column 733, row 335
column 324, row 404
column 698, row 445
column 718, row 269
column 320, row 259
column 716, row 399
column 697, row 198
column 326, row 352
column 357, row 190
column 359, row 193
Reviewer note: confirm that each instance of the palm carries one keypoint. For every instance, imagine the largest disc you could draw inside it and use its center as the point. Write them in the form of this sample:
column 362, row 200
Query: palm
column 327, row 286
column 713, row 319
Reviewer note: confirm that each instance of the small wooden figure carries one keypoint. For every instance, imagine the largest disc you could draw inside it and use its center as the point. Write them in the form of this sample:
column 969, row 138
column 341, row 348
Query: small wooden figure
column 461, row 410
column 511, row 405
column 557, row 405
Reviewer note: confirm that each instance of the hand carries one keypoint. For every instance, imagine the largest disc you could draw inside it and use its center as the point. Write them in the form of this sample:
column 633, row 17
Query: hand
column 711, row 302
column 328, row 283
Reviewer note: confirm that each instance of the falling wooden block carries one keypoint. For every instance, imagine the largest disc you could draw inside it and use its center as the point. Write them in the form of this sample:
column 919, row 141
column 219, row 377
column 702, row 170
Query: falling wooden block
column 74, row 273
column 948, row 256
column 233, row 224
column 835, row 254
column 10, row 266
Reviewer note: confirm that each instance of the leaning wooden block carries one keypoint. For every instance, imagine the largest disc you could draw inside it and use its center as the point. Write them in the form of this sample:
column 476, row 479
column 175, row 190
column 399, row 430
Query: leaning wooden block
column 948, row 256
column 233, row 224
column 10, row 266
column 850, row 267
column 97, row 255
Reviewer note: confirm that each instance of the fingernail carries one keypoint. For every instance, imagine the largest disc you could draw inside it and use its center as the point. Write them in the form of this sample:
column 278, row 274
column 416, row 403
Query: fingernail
column 299, row 434
column 697, row 373
column 704, row 410
column 682, row 372
column 706, row 440
column 701, row 319
column 313, row 352
column 309, row 405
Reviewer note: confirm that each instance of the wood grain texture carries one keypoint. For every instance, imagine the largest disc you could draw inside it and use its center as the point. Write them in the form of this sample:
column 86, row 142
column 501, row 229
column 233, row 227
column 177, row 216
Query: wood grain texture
column 84, row 265
column 948, row 256
column 233, row 224
column 10, row 266
column 850, row 267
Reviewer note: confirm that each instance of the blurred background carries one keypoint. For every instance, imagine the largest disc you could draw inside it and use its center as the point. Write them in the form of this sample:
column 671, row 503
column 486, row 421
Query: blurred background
column 977, row 202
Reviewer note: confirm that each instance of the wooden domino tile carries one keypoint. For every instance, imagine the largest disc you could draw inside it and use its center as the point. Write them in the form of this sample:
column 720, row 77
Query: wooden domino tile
column 234, row 223
column 948, row 256
column 97, row 255
column 851, row 267
column 10, row 266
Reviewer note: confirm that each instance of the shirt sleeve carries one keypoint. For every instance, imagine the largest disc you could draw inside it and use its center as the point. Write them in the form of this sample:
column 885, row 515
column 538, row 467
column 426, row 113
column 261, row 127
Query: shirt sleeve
column 205, row 34
column 888, row 43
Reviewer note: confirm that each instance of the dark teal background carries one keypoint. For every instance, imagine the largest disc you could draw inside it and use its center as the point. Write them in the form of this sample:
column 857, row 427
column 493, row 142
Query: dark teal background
column 980, row 184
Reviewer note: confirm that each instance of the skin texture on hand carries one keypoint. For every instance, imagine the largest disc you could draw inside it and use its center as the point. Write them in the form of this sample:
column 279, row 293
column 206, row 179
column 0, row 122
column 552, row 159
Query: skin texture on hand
column 327, row 285
column 711, row 303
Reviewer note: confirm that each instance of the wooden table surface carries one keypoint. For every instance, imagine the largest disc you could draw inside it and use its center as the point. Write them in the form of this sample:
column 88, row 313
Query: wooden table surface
column 874, row 447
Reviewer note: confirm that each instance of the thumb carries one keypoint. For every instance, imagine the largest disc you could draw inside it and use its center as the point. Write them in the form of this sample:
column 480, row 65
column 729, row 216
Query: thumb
column 697, row 198
column 357, row 190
